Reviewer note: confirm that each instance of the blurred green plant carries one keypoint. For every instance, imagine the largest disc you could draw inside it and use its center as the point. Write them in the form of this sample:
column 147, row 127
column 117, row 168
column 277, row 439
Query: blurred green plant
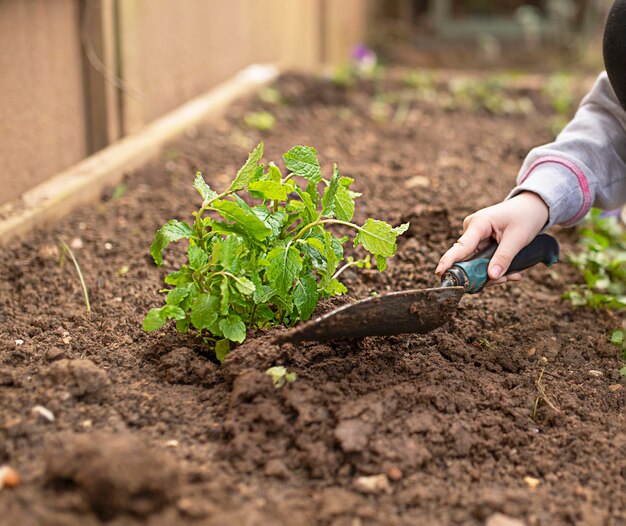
column 489, row 94
column 602, row 263
column 260, row 120
column 560, row 93
column 271, row 95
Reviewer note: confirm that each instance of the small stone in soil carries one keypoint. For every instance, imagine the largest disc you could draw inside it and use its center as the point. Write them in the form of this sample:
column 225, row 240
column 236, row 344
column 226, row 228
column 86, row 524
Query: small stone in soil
column 9, row 477
column 43, row 413
column 596, row 373
column 615, row 387
column 19, row 342
column 395, row 473
column 76, row 243
column 373, row 484
column 532, row 482
column 499, row 519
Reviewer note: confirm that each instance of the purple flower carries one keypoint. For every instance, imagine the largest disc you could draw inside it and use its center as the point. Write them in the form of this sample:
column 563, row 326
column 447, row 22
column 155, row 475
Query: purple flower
column 364, row 58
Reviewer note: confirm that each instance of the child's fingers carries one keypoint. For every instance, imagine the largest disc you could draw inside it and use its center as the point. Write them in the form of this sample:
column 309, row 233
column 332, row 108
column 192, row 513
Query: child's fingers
column 477, row 230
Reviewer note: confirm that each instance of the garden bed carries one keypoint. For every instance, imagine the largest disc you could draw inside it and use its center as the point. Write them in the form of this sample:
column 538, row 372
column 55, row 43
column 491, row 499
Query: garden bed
column 147, row 428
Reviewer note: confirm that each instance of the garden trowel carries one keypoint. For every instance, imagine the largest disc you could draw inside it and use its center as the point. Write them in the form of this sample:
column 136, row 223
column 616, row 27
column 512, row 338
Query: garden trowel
column 417, row 311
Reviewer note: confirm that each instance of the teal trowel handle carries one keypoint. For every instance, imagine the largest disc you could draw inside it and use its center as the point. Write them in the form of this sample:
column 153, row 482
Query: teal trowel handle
column 473, row 275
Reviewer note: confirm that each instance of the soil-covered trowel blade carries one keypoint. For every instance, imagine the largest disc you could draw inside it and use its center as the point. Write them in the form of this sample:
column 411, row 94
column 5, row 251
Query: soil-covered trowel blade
column 406, row 312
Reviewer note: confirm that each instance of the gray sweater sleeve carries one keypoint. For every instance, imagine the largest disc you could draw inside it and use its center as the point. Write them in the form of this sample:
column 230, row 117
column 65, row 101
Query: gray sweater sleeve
column 586, row 165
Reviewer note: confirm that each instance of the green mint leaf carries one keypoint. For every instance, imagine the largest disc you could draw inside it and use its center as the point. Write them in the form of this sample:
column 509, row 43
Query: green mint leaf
column 172, row 312
column 177, row 296
column 245, row 286
column 335, row 288
column 305, row 296
column 197, row 257
column 222, row 348
column 330, row 194
column 284, row 265
column 381, row 262
column 154, row 320
column 227, row 253
column 182, row 326
column 311, row 189
column 248, row 172
column 346, row 182
column 273, row 173
column 302, row 160
column 204, row 311
column 343, row 204
column 244, row 218
column 274, row 221
column 172, row 231
column 233, row 328
column 263, row 294
column 179, row 278
column 204, row 189
column 310, row 211
column 273, row 190
column 377, row 237
column 401, row 229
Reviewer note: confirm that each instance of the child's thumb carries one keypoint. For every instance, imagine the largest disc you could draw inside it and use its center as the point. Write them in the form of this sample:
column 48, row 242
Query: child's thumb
column 510, row 244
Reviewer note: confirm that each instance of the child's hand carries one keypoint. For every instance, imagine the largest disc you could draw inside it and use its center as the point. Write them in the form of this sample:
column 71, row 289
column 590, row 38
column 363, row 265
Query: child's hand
column 513, row 224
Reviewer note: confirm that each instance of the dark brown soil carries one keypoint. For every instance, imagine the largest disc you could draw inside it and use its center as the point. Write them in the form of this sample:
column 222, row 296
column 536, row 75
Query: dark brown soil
column 148, row 429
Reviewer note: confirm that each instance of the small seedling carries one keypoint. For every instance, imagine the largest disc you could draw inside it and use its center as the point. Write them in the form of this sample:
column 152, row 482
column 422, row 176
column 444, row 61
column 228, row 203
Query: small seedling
column 119, row 191
column 280, row 376
column 260, row 120
column 268, row 259
column 486, row 345
column 542, row 395
column 65, row 249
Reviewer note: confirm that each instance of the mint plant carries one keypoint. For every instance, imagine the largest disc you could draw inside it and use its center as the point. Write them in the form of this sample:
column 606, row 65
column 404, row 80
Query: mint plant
column 266, row 260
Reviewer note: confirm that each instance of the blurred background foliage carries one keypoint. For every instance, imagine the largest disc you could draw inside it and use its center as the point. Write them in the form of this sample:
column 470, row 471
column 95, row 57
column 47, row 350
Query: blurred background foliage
column 542, row 35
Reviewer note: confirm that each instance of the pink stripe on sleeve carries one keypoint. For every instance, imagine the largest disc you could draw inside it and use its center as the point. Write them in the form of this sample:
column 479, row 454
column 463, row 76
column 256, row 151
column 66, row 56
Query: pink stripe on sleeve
column 580, row 176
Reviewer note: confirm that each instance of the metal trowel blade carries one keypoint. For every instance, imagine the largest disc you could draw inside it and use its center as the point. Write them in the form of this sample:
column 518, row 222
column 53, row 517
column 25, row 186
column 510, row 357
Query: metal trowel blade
column 406, row 312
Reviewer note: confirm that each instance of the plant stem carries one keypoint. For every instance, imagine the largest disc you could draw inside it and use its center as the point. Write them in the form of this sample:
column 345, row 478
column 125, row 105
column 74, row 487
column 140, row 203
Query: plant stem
column 325, row 222
column 345, row 267
column 83, row 285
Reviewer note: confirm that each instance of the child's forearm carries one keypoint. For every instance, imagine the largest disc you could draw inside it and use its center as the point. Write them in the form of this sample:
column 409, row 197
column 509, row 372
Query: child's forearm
column 586, row 165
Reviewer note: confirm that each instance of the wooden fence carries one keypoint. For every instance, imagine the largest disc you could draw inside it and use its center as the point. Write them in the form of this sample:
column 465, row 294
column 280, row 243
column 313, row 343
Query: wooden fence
column 76, row 75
